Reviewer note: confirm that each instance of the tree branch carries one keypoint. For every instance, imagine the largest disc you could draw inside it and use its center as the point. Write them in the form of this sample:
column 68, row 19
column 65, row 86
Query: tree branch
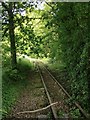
column 38, row 110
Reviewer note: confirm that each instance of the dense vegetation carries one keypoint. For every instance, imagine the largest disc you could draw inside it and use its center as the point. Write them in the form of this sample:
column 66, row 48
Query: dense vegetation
column 59, row 32
column 70, row 46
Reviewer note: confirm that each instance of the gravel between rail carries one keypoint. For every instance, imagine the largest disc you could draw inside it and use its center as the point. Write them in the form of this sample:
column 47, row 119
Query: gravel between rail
column 57, row 95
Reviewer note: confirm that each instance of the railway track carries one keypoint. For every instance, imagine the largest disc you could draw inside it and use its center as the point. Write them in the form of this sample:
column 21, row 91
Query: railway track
column 48, row 96
column 56, row 93
column 55, row 96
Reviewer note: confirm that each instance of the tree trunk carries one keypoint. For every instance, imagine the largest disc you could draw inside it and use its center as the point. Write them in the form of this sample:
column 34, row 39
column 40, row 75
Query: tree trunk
column 88, row 77
column 12, row 37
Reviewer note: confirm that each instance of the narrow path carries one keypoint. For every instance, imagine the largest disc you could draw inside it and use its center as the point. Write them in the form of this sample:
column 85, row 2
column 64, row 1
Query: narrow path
column 32, row 97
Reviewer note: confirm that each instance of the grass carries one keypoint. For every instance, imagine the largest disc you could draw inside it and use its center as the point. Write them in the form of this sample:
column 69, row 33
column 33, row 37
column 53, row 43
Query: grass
column 57, row 66
column 25, row 63
column 13, row 82
column 10, row 90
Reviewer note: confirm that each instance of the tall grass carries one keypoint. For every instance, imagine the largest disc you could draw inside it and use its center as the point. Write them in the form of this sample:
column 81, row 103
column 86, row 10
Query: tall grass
column 13, row 83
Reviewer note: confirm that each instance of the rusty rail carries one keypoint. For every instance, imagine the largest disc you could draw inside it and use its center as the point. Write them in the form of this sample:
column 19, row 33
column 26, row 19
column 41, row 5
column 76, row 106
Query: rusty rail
column 49, row 99
column 77, row 105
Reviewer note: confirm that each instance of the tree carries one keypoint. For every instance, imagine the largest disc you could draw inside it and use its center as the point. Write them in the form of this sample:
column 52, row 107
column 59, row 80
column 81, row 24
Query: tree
column 71, row 45
column 12, row 35
column 9, row 9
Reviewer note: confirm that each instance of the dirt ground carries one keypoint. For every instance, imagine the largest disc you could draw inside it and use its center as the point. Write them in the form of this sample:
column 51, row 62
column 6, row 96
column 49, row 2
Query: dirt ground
column 33, row 97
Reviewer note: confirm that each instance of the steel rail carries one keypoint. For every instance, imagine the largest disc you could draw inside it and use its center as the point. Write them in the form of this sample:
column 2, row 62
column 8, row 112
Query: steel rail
column 49, row 99
column 77, row 105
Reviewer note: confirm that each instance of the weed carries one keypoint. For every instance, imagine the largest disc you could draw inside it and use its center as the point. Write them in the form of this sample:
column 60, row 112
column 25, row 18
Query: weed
column 75, row 113
column 13, row 83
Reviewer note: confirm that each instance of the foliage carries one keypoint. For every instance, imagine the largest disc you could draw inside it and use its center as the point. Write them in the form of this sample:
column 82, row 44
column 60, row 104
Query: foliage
column 70, row 46
column 13, row 83
column 60, row 113
column 28, row 28
column 75, row 113
column 10, row 92
column 25, row 63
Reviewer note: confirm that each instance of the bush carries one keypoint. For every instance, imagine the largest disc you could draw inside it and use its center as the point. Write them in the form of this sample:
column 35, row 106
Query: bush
column 13, row 83
column 12, row 75
column 25, row 64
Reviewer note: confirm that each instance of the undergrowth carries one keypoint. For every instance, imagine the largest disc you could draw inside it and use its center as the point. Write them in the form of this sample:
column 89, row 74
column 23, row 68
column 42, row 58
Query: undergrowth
column 13, row 83
column 76, row 88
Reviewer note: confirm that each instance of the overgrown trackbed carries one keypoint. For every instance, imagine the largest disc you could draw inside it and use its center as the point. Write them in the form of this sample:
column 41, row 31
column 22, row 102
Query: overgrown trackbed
column 31, row 98
column 34, row 98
